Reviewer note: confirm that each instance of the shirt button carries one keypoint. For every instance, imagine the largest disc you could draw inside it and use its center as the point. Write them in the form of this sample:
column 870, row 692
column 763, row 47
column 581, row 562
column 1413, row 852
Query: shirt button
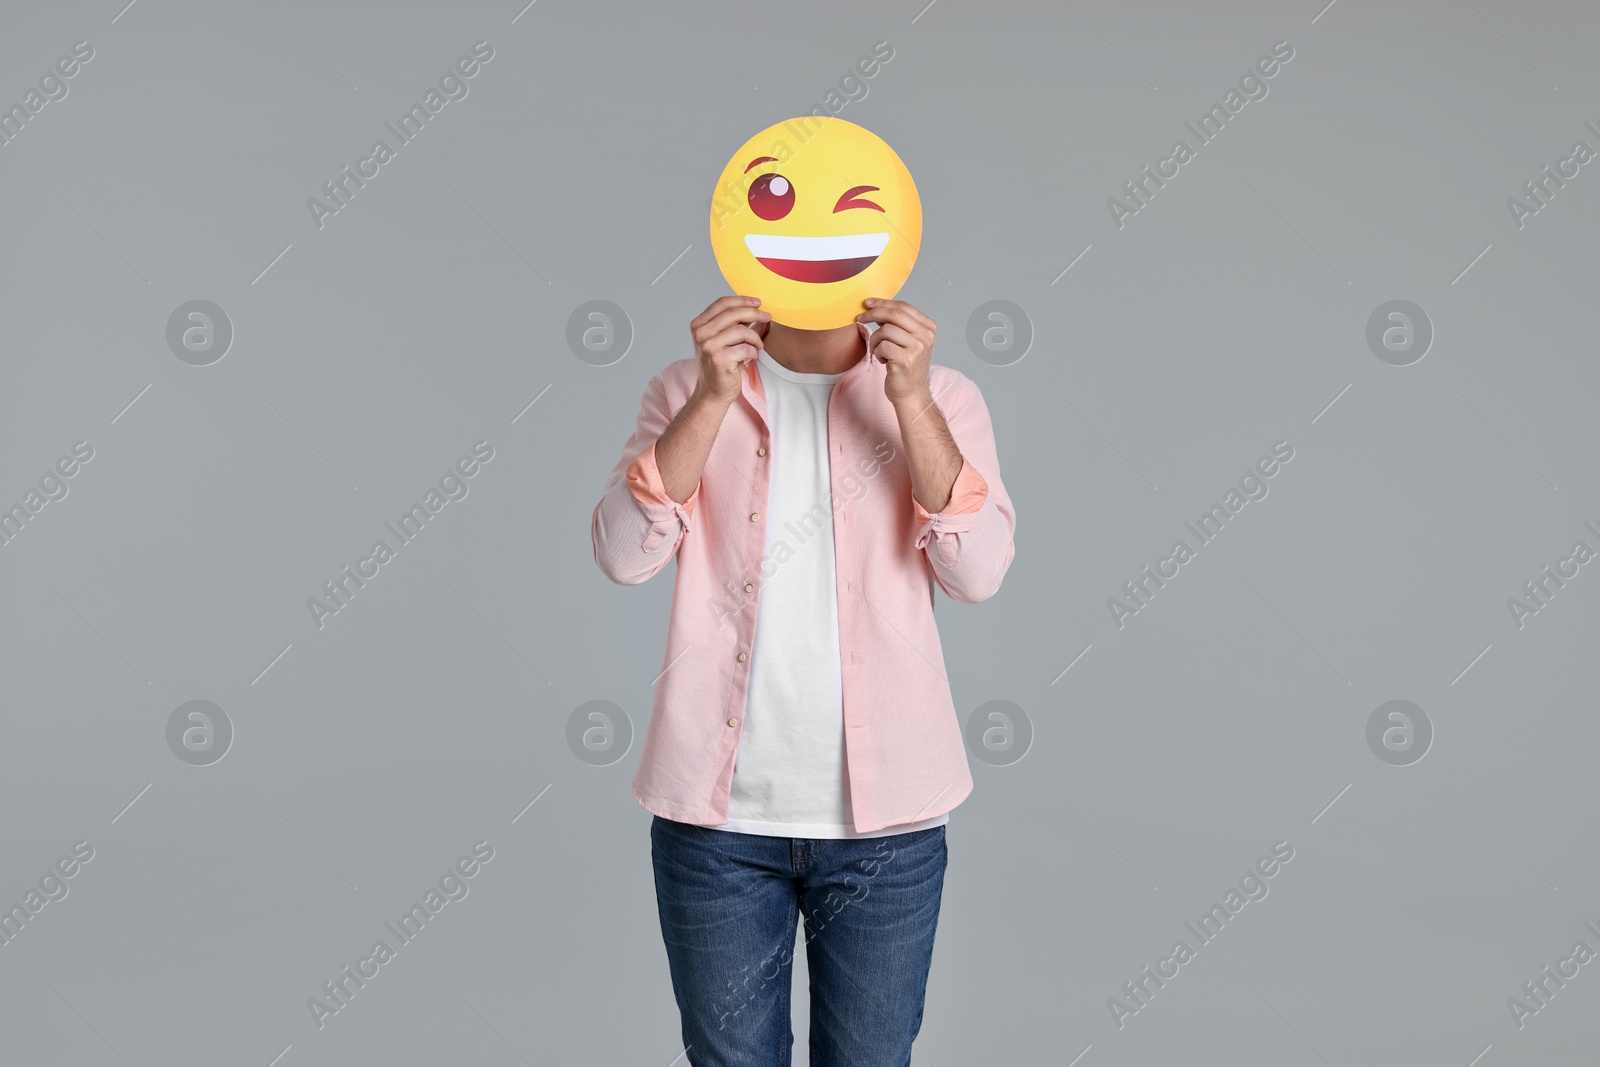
column 748, row 588
column 733, row 722
column 742, row 657
column 755, row 516
column 761, row 451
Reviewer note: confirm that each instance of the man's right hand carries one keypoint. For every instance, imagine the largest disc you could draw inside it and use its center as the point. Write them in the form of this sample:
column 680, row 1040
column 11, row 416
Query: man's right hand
column 726, row 335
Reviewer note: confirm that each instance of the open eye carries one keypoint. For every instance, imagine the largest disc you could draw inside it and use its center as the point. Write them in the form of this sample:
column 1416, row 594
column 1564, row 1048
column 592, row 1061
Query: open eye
column 771, row 196
column 850, row 199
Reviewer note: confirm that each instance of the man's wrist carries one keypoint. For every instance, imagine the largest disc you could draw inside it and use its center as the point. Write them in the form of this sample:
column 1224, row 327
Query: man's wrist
column 919, row 398
column 913, row 405
column 701, row 397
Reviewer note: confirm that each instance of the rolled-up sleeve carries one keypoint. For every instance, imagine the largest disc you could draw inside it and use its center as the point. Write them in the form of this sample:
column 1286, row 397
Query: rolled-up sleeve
column 970, row 543
column 637, row 527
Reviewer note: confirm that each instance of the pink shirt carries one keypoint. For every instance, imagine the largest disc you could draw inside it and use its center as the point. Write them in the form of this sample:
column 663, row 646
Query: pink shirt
column 904, row 753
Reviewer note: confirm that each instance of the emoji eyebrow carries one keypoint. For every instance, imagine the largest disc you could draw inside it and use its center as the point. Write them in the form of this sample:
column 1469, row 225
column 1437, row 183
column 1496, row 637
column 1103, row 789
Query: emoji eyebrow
column 851, row 200
column 760, row 159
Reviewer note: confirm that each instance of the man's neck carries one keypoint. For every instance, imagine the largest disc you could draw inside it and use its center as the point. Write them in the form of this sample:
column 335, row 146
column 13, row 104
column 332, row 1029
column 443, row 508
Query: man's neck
column 815, row 351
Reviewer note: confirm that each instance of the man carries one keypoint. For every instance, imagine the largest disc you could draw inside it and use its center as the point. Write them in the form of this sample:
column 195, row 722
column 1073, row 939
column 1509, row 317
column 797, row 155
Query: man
column 803, row 752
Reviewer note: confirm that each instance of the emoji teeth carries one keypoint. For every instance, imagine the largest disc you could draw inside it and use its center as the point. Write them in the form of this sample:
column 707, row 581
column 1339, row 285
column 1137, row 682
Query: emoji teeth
column 815, row 249
column 818, row 270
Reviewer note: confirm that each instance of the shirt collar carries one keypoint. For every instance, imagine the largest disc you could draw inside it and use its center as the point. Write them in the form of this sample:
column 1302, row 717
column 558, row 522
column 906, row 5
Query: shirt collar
column 750, row 386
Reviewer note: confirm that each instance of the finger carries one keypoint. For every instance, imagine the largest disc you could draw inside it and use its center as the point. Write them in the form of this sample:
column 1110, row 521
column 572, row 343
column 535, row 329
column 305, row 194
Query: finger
column 724, row 309
column 730, row 317
column 902, row 305
column 735, row 315
column 711, row 310
column 721, row 304
column 893, row 333
column 883, row 313
column 901, row 346
column 733, row 337
column 889, row 352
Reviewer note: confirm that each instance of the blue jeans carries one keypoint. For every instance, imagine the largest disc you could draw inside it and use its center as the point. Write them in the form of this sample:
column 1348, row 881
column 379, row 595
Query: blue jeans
column 728, row 904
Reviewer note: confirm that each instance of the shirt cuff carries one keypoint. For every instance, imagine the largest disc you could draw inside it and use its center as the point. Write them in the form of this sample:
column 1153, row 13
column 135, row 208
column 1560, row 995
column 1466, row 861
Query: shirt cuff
column 644, row 480
column 966, row 497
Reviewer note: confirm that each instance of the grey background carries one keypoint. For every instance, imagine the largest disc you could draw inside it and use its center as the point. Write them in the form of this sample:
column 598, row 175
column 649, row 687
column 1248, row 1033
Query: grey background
column 1229, row 714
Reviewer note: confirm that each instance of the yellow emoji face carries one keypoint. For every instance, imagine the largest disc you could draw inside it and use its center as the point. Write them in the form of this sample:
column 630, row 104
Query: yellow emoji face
column 813, row 216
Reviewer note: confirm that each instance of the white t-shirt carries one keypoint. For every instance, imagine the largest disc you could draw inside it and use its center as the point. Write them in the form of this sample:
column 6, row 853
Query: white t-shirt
column 789, row 777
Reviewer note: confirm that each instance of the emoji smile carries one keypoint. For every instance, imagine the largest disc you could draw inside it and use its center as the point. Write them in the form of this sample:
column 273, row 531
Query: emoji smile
column 817, row 259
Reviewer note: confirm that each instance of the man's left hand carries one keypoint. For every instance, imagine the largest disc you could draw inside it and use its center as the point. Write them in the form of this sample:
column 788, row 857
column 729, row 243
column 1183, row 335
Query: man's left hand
column 903, row 342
